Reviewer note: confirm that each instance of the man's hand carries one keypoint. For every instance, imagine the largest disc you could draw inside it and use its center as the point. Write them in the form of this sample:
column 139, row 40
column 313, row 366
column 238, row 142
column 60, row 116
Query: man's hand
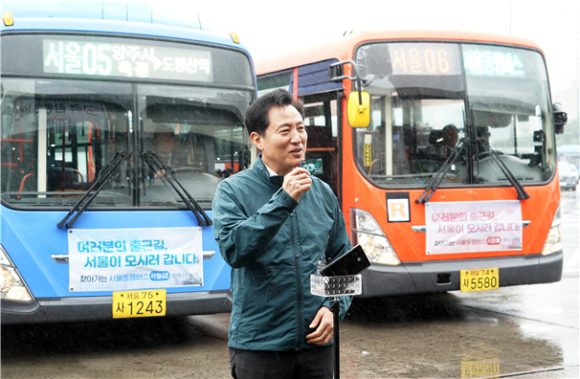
column 324, row 333
column 297, row 182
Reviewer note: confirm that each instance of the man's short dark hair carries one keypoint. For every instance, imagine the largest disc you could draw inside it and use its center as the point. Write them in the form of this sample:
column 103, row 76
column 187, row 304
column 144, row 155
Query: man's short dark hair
column 450, row 129
column 257, row 114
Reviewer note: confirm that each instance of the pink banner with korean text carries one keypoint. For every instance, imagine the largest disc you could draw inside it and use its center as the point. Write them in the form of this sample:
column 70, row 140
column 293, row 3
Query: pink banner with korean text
column 469, row 227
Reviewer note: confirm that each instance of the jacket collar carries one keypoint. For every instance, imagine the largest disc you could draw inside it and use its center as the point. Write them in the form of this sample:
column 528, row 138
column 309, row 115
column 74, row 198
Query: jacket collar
column 260, row 168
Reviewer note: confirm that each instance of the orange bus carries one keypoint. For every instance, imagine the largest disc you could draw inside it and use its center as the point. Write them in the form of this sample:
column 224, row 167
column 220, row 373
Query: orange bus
column 440, row 146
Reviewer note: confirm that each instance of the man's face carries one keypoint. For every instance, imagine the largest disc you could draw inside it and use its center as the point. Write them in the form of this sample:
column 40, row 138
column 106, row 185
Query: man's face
column 164, row 143
column 283, row 145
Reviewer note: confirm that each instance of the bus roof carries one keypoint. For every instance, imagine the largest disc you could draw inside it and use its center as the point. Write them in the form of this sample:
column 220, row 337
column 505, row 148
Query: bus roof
column 137, row 19
column 115, row 28
column 343, row 48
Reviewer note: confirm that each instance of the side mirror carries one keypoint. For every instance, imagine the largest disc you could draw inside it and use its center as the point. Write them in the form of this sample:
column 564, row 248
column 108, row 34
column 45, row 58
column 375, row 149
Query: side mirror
column 560, row 118
column 359, row 109
column 359, row 102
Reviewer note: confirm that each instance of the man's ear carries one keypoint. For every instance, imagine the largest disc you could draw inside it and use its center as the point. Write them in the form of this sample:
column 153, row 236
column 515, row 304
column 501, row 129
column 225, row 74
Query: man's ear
column 257, row 140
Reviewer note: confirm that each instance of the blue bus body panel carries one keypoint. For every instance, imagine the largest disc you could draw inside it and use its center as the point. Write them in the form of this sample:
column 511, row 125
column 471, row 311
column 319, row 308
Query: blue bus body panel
column 31, row 238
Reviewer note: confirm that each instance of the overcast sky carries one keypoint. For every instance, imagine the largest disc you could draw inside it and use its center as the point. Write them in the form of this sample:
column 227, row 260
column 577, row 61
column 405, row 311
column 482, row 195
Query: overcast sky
column 271, row 27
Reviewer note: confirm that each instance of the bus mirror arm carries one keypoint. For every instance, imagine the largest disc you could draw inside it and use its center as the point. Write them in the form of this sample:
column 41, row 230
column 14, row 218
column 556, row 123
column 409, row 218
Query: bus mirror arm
column 358, row 110
column 153, row 160
column 335, row 74
column 120, row 157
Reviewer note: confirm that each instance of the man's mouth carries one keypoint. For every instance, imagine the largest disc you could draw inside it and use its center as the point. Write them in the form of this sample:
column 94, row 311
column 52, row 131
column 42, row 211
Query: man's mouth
column 296, row 151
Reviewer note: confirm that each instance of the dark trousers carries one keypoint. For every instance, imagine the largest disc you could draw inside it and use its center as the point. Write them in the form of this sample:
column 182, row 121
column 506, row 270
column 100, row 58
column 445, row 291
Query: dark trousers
column 313, row 363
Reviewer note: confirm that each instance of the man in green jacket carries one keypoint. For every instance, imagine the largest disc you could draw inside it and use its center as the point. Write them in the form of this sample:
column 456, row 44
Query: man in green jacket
column 273, row 224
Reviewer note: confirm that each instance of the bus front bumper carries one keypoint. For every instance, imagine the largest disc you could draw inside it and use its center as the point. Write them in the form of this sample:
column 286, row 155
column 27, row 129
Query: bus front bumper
column 100, row 308
column 442, row 276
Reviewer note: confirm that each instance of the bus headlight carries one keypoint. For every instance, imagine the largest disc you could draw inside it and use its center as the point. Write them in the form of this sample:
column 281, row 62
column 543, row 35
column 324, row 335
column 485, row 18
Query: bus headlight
column 11, row 287
column 367, row 233
column 553, row 242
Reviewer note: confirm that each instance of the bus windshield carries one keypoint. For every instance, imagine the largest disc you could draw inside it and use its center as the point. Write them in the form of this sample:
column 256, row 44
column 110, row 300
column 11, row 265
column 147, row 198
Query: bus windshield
column 430, row 99
column 60, row 130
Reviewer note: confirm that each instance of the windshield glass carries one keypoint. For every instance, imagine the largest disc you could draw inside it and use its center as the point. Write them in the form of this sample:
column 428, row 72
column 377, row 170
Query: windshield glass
column 58, row 136
column 198, row 135
column 71, row 103
column 429, row 99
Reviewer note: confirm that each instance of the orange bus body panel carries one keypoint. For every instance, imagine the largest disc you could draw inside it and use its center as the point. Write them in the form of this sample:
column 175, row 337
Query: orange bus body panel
column 411, row 246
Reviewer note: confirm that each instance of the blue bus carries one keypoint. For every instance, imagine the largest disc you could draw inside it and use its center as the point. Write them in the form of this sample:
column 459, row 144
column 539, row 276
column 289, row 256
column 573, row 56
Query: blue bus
column 118, row 123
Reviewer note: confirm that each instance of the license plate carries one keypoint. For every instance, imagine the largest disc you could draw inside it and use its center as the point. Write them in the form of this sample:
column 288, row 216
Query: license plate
column 479, row 279
column 143, row 303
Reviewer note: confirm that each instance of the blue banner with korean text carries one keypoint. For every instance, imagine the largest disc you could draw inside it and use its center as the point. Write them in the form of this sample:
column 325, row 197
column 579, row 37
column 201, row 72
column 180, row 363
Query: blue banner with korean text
column 121, row 259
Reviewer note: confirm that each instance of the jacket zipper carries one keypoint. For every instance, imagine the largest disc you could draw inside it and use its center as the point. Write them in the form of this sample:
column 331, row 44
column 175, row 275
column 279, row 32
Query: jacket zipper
column 299, row 287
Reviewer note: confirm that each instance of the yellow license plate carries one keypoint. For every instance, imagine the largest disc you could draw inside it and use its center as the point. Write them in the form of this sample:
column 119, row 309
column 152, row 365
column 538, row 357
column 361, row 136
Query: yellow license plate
column 143, row 303
column 479, row 279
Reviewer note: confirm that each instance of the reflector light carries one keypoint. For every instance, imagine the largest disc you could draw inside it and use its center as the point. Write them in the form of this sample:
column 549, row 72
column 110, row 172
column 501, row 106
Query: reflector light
column 7, row 18
column 235, row 37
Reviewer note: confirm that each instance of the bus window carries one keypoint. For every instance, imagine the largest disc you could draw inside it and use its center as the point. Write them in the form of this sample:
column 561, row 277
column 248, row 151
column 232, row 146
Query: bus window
column 420, row 114
column 510, row 113
column 420, row 137
column 57, row 136
column 209, row 142
column 321, row 126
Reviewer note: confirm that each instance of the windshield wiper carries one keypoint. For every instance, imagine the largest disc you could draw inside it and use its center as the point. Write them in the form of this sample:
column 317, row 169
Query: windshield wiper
column 522, row 194
column 152, row 159
column 439, row 176
column 109, row 169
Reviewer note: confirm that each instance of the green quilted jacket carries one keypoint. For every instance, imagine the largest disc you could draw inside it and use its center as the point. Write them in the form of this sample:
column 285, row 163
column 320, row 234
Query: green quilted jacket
column 273, row 245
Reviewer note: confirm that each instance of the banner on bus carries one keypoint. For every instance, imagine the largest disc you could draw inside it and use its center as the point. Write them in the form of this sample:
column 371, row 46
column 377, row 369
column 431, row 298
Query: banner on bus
column 469, row 227
column 119, row 259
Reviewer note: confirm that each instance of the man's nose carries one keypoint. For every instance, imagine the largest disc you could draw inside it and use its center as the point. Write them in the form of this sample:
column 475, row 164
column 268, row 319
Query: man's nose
column 295, row 136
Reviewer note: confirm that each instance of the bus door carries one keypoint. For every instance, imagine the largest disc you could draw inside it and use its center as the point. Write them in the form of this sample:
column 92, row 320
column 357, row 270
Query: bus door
column 322, row 129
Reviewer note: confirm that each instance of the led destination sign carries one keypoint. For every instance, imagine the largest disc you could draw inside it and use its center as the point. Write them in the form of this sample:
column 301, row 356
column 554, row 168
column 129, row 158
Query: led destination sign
column 424, row 59
column 126, row 60
column 440, row 59
column 485, row 62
